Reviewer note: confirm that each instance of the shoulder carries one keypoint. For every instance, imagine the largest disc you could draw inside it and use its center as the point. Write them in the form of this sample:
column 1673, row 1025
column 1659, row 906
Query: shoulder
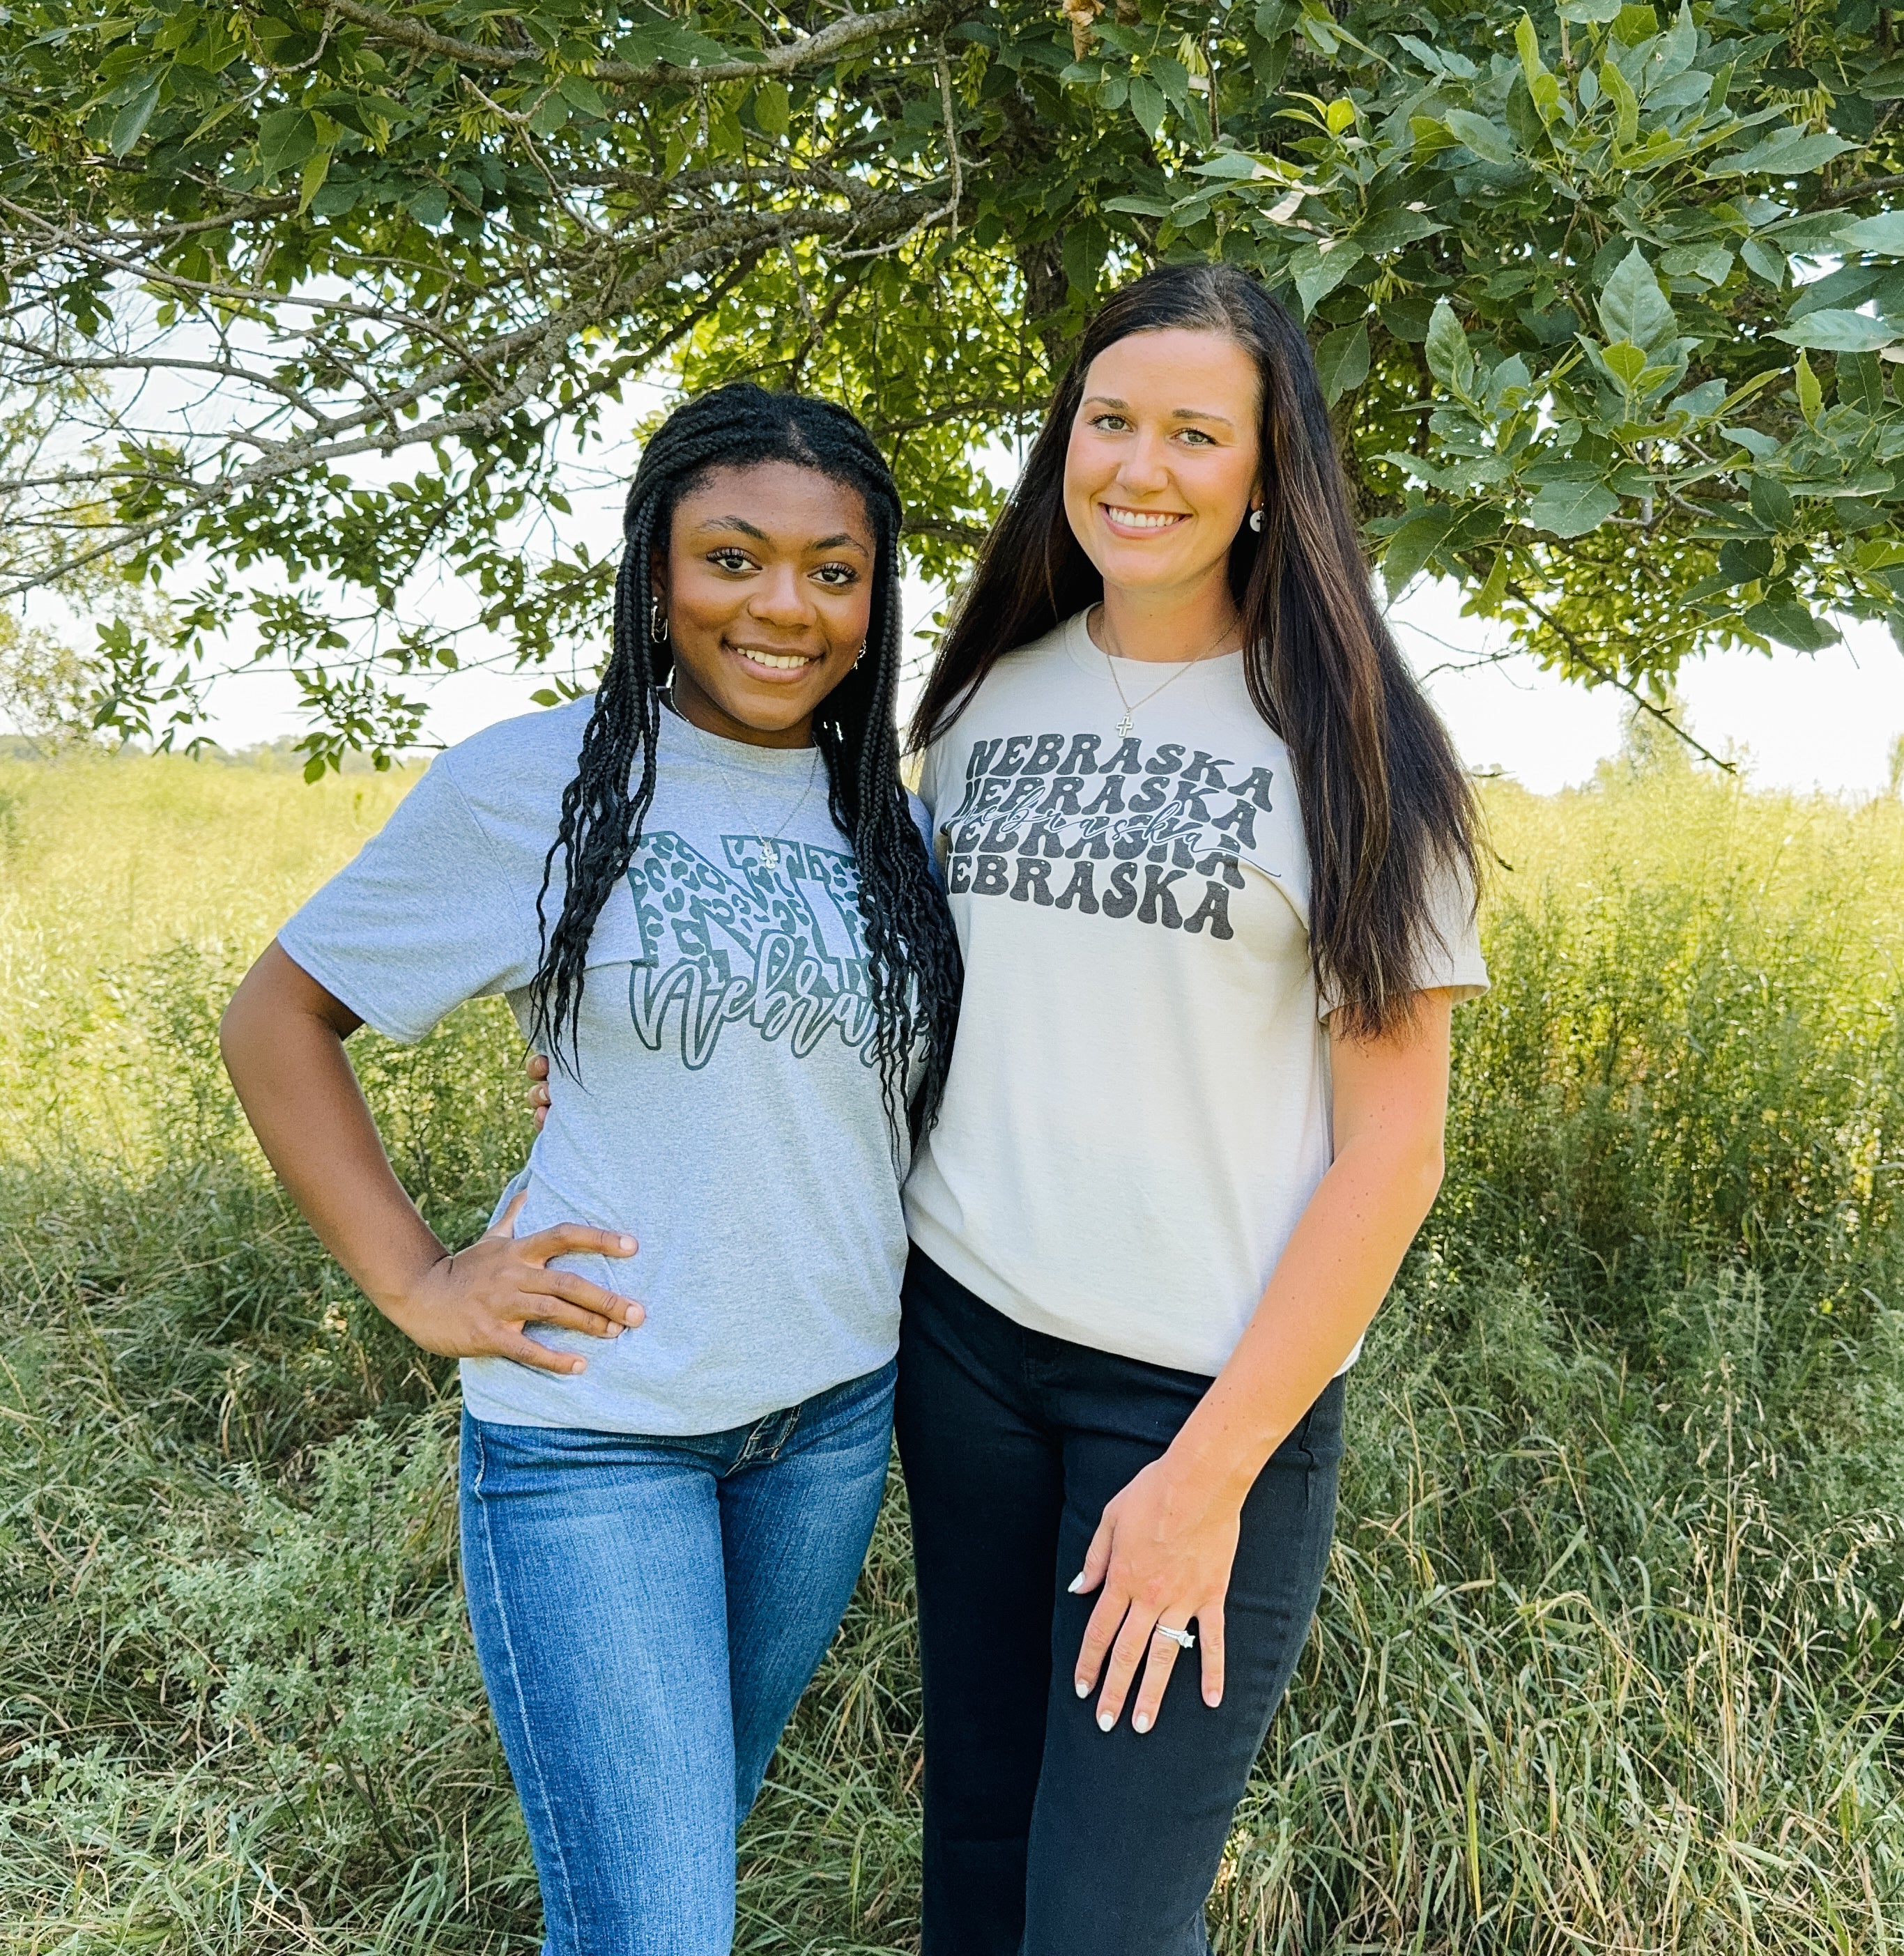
column 519, row 767
column 1025, row 677
column 551, row 736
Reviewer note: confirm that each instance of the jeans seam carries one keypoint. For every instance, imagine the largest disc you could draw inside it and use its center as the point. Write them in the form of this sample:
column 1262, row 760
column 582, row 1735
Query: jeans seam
column 515, row 1686
column 786, row 1438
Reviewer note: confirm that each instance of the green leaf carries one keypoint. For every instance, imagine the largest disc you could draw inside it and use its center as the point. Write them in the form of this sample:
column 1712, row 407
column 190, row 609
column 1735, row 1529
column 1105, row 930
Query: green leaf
column 1317, row 272
column 1626, row 361
column 1488, row 140
column 1786, row 619
column 1148, row 105
column 1619, row 91
column 1711, row 263
column 1342, row 360
column 1811, row 396
column 285, row 138
column 1413, row 545
column 580, row 92
column 129, row 124
column 1590, row 13
column 772, row 108
column 1772, row 502
column 1632, row 306
column 1882, row 235
column 310, row 178
column 1832, row 331
column 1790, row 153
column 430, row 206
column 1766, row 259
column 1572, row 509
column 1450, row 358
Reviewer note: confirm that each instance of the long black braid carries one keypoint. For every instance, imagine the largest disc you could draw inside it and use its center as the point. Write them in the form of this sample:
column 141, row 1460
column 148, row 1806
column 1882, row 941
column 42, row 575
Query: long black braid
column 912, row 951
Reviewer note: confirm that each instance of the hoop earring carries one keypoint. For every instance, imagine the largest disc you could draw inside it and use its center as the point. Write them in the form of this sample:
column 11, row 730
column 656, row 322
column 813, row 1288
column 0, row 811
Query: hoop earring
column 1256, row 521
column 857, row 657
column 657, row 622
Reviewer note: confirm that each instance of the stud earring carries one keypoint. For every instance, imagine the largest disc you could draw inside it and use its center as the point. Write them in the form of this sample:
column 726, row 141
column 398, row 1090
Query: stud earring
column 657, row 622
column 1256, row 521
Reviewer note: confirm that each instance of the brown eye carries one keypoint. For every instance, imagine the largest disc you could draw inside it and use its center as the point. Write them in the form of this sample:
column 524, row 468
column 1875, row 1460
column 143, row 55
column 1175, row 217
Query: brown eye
column 729, row 559
column 837, row 575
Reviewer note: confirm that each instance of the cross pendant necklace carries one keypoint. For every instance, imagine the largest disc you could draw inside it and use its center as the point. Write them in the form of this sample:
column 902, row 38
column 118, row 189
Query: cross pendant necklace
column 1127, row 726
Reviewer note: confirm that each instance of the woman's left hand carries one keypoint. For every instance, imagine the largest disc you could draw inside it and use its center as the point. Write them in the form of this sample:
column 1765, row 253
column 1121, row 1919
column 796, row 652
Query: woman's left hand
column 1162, row 1553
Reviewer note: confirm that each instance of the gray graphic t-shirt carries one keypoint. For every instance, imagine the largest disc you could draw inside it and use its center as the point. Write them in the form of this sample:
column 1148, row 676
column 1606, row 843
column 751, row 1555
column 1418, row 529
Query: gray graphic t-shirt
column 728, row 1114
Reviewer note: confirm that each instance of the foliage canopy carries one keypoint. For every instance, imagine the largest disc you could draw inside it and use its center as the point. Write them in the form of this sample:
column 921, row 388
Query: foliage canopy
column 306, row 300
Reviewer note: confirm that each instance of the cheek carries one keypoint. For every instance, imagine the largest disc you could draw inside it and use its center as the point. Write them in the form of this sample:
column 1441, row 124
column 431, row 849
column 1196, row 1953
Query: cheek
column 700, row 596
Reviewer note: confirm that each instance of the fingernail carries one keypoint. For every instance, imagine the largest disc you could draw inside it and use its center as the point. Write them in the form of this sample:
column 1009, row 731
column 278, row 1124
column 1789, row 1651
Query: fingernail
column 1082, row 1686
column 636, row 1313
column 1141, row 1722
column 1105, row 1721
column 625, row 1244
column 1076, row 1585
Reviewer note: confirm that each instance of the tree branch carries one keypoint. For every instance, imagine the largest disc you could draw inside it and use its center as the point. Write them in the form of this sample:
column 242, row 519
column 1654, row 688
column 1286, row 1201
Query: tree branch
column 843, row 37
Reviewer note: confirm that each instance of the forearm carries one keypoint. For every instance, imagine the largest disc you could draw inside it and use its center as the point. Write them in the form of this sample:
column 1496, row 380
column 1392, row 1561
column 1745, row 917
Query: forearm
column 283, row 1047
column 1327, row 1285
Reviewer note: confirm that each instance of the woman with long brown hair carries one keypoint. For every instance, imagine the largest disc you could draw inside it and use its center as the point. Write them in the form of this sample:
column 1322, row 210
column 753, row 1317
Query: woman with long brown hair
column 1212, row 861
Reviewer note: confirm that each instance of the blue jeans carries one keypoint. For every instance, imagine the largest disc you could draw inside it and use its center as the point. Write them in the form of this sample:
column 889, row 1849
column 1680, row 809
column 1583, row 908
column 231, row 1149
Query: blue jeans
column 647, row 1612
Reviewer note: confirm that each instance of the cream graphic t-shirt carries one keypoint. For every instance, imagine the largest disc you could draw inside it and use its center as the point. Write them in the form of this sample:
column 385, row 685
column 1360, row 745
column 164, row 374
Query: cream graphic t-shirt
column 1138, row 1110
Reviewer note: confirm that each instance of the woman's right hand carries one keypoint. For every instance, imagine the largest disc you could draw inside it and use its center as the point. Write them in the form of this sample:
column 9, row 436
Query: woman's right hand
column 473, row 1303
column 537, row 1067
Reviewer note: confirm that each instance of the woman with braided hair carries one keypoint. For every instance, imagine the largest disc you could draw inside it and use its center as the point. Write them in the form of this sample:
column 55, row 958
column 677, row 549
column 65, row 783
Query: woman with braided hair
column 703, row 891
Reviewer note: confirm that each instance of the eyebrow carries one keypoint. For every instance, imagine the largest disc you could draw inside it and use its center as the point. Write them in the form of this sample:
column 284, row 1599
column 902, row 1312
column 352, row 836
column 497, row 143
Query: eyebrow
column 1177, row 414
column 844, row 541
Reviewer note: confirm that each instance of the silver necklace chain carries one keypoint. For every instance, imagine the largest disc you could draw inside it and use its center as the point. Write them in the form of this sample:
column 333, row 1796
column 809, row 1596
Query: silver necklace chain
column 770, row 845
column 1127, row 725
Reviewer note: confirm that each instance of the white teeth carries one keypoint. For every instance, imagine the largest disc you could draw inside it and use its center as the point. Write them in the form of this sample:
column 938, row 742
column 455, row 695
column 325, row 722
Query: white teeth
column 779, row 661
column 1144, row 519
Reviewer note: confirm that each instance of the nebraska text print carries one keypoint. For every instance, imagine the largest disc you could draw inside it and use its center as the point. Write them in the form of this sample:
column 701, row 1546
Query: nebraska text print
column 776, row 946
column 1155, row 835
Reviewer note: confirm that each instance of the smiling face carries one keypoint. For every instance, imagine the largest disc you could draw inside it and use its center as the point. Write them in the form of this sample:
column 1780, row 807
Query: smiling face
column 1164, row 462
column 768, row 591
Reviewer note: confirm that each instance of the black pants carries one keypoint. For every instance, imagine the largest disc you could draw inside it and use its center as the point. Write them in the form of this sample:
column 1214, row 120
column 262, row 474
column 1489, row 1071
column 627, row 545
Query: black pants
column 1044, row 1836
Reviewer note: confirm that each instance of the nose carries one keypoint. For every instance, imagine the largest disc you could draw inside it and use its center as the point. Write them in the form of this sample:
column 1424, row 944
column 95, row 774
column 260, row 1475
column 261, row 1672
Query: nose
column 781, row 598
column 1144, row 469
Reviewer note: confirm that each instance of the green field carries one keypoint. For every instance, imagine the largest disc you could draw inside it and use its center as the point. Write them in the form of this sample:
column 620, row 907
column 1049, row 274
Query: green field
column 1609, row 1657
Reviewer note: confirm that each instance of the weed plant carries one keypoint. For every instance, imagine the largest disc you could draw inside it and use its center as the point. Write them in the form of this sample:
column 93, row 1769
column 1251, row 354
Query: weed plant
column 1609, row 1658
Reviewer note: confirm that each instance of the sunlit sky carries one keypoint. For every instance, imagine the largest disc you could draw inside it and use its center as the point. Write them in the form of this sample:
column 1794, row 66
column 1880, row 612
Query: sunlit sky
column 1798, row 721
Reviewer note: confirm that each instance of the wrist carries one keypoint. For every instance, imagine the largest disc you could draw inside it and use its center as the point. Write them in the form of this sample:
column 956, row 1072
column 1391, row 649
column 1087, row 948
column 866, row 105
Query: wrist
column 400, row 1289
column 1207, row 1480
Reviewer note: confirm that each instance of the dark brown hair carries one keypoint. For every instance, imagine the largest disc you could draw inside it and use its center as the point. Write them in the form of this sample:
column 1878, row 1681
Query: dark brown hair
column 1387, row 808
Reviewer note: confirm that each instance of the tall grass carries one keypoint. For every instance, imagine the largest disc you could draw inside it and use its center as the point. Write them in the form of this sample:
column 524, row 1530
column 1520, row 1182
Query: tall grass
column 1609, row 1657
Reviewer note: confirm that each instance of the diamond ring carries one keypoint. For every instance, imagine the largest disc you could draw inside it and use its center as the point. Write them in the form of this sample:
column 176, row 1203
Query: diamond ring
column 1183, row 1639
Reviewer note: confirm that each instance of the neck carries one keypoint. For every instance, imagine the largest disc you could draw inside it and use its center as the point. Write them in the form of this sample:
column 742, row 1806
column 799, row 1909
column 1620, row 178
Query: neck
column 1170, row 626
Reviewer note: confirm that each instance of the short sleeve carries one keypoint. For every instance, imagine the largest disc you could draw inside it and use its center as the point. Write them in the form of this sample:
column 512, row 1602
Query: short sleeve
column 1448, row 957
column 929, row 770
column 421, row 920
column 922, row 821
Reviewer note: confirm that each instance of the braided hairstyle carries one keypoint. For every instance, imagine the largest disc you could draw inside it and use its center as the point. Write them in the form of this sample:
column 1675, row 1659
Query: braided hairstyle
column 912, row 962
